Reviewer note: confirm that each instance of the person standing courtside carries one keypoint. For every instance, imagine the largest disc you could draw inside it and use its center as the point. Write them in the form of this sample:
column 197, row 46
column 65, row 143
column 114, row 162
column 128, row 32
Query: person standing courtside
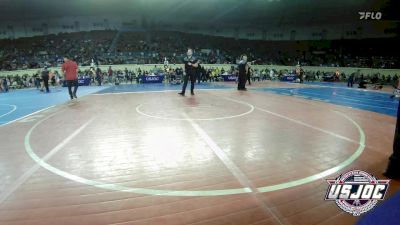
column 98, row 76
column 110, row 75
column 45, row 78
column 191, row 65
column 243, row 71
column 70, row 71
column 300, row 73
column 249, row 75
column 350, row 80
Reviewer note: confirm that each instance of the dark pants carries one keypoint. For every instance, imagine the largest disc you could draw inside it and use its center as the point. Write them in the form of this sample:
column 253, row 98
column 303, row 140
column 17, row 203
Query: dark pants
column 46, row 83
column 248, row 79
column 242, row 81
column 350, row 83
column 98, row 78
column 37, row 83
column 70, row 84
column 199, row 78
column 5, row 86
column 362, row 84
column 185, row 81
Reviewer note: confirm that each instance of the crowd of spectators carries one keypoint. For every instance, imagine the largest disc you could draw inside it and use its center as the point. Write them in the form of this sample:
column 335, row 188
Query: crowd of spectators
column 128, row 75
column 36, row 52
column 111, row 47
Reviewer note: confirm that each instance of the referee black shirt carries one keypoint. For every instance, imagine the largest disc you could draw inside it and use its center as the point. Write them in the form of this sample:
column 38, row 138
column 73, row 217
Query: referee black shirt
column 190, row 70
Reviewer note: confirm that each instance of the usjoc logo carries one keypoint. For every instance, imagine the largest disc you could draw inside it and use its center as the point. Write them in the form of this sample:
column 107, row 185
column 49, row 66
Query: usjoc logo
column 370, row 15
column 356, row 191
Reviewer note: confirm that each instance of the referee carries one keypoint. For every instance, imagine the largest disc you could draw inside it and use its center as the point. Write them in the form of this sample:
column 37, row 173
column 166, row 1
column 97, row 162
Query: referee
column 243, row 72
column 191, row 64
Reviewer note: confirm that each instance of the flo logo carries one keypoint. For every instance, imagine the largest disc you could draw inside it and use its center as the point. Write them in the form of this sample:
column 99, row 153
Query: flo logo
column 370, row 15
column 356, row 191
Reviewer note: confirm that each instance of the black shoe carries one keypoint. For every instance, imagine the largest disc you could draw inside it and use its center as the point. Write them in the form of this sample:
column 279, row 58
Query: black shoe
column 192, row 93
column 181, row 93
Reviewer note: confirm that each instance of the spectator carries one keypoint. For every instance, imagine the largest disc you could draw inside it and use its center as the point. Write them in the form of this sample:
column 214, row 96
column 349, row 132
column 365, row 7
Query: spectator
column 110, row 75
column 350, row 80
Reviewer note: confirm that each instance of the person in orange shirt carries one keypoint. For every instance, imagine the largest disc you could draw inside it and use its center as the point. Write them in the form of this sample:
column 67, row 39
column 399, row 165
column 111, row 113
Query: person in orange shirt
column 70, row 71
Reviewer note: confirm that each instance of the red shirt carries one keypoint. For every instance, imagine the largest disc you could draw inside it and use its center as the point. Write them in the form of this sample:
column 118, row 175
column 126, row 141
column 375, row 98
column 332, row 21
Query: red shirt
column 70, row 68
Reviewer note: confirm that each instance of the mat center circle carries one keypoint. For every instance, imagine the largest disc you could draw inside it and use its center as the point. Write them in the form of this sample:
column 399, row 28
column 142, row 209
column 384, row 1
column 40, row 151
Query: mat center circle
column 217, row 110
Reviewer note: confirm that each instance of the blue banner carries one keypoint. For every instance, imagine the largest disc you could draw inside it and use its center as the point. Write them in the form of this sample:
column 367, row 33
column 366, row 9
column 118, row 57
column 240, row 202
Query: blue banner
column 81, row 82
column 289, row 77
column 152, row 79
column 229, row 77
